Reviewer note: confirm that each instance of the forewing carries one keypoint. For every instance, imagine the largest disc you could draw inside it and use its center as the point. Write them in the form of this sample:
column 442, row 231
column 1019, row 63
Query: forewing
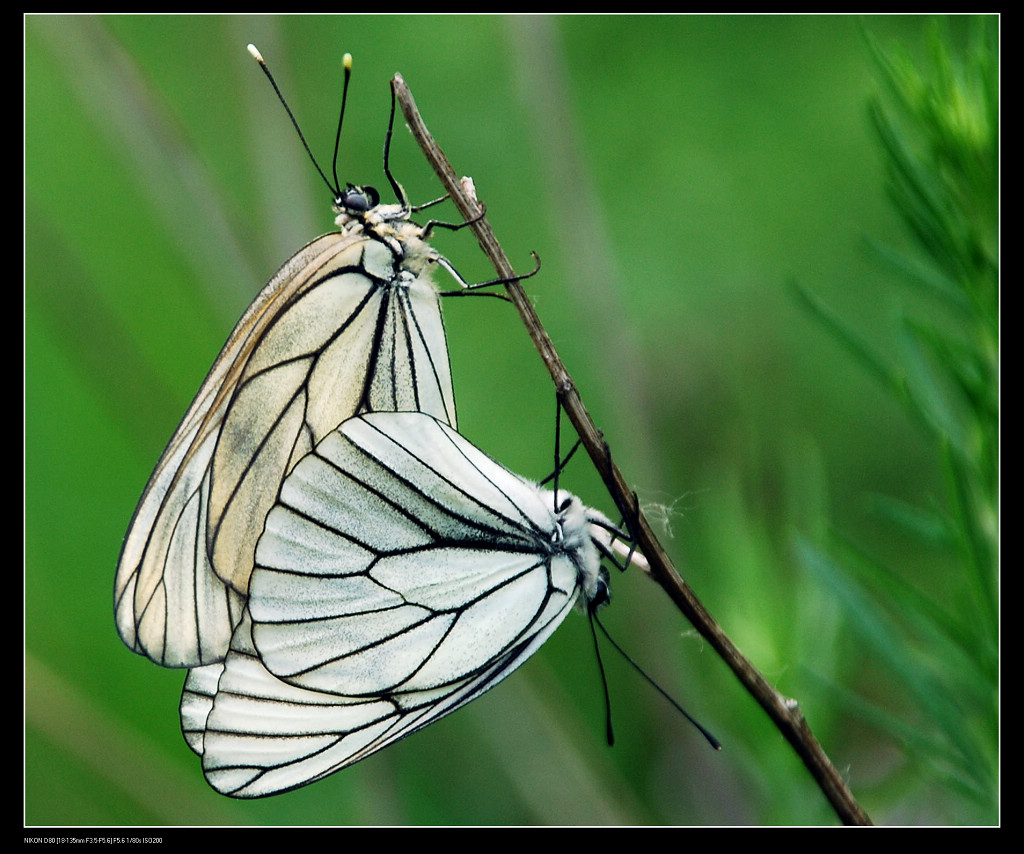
column 324, row 340
column 402, row 559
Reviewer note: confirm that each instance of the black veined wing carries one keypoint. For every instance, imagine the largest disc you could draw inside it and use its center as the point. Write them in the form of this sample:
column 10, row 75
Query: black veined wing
column 401, row 574
column 351, row 323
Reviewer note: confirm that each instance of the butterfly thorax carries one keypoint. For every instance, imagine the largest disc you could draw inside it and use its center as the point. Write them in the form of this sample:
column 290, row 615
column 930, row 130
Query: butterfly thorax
column 574, row 536
column 388, row 224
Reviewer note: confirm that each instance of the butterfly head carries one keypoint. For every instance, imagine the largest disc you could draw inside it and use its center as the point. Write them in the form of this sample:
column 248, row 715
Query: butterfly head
column 359, row 208
column 356, row 201
column 575, row 534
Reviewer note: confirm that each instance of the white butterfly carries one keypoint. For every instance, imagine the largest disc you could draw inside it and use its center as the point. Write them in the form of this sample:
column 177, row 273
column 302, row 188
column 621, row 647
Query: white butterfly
column 351, row 323
column 401, row 574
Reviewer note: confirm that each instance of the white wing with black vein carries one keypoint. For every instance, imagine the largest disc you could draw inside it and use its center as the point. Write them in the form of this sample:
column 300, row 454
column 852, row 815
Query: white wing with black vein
column 399, row 558
column 402, row 574
column 349, row 324
column 258, row 735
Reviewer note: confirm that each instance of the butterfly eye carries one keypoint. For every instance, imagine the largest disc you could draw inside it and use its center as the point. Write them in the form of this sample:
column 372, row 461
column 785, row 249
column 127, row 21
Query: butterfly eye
column 358, row 200
column 602, row 596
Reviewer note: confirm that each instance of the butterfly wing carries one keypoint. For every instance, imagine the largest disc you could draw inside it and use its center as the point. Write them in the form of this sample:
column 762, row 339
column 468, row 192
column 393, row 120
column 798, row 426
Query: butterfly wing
column 400, row 557
column 258, row 735
column 401, row 574
column 343, row 327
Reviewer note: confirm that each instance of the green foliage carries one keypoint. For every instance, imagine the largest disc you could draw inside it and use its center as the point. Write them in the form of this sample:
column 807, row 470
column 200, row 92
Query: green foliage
column 938, row 127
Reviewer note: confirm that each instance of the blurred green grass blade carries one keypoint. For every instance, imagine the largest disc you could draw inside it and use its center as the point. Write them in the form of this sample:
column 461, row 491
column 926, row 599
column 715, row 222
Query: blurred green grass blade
column 922, row 747
column 941, row 138
column 162, row 788
column 895, row 383
column 888, row 644
column 931, row 280
column 930, row 527
column 907, row 609
column 978, row 521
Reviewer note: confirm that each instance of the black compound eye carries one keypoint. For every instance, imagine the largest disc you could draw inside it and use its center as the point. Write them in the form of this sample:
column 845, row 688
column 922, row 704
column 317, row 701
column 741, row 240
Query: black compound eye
column 602, row 596
column 358, row 200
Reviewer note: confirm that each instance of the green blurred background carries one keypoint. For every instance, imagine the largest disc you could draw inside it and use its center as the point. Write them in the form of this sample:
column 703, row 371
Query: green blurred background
column 676, row 175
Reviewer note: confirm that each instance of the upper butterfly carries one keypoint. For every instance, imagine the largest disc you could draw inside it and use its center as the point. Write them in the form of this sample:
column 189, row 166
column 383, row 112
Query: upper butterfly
column 350, row 324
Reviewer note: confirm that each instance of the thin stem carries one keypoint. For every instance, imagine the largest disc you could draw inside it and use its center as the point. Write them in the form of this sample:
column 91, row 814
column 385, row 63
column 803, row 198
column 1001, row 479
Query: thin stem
column 784, row 712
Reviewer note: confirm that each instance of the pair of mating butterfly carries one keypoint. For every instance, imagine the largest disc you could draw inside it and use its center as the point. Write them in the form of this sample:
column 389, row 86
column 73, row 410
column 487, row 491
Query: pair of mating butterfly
column 333, row 562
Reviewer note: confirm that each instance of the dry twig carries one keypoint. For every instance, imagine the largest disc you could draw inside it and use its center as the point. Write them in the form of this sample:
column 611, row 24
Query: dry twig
column 784, row 712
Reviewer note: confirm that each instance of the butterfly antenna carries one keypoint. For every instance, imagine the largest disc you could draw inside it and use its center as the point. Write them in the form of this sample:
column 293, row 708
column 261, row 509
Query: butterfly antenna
column 346, row 61
column 714, row 742
column 609, row 733
column 403, row 199
column 335, row 188
column 558, row 447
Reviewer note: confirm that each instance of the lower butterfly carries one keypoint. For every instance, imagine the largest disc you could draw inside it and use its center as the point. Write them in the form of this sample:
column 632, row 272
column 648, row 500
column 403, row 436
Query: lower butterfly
column 351, row 323
column 401, row 574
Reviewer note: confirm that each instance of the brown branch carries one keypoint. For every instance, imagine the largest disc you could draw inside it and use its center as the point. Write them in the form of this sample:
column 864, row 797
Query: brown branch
column 783, row 711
